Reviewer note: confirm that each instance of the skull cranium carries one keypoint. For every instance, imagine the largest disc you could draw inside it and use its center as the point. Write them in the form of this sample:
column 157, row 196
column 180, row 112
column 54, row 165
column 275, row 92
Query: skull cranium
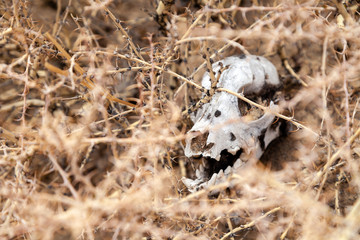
column 220, row 126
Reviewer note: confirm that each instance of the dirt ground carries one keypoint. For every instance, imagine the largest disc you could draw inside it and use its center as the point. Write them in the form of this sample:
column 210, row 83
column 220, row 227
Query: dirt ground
column 94, row 102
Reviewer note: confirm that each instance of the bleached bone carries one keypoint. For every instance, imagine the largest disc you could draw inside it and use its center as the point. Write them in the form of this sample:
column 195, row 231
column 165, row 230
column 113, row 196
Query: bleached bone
column 219, row 124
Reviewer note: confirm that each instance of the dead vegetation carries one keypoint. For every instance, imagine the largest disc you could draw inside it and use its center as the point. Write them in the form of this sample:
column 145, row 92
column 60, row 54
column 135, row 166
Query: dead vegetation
column 93, row 116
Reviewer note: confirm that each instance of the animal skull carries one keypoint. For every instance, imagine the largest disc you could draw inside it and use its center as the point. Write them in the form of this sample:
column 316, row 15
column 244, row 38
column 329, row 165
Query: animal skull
column 221, row 127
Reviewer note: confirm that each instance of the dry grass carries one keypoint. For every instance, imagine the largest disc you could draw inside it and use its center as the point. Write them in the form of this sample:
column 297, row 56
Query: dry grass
column 92, row 130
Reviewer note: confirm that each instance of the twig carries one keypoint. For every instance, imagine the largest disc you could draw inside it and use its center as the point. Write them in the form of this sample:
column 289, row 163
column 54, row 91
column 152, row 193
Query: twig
column 337, row 190
column 103, row 121
column 63, row 175
column 266, row 109
column 262, row 8
column 250, row 224
column 335, row 157
column 63, row 20
column 283, row 235
column 157, row 67
column 33, row 102
column 342, row 10
column 8, row 135
column 153, row 140
column 88, row 83
column 122, row 70
column 347, row 95
column 187, row 33
column 117, row 23
column 229, row 42
column 55, row 69
column 57, row 17
column 16, row 12
column 209, row 92
column 288, row 67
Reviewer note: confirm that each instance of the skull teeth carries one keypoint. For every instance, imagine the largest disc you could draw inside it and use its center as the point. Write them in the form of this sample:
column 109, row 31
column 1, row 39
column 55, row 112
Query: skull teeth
column 237, row 164
column 220, row 177
column 198, row 173
column 202, row 170
column 216, row 178
column 212, row 180
column 228, row 170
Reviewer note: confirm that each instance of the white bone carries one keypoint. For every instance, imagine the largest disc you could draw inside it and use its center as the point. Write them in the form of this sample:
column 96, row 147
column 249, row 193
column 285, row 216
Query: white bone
column 220, row 122
column 228, row 170
column 237, row 164
column 212, row 180
column 251, row 75
column 198, row 173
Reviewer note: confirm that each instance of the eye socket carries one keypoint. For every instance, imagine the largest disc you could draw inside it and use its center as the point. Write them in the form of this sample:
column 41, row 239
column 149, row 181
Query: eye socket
column 250, row 113
column 244, row 107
